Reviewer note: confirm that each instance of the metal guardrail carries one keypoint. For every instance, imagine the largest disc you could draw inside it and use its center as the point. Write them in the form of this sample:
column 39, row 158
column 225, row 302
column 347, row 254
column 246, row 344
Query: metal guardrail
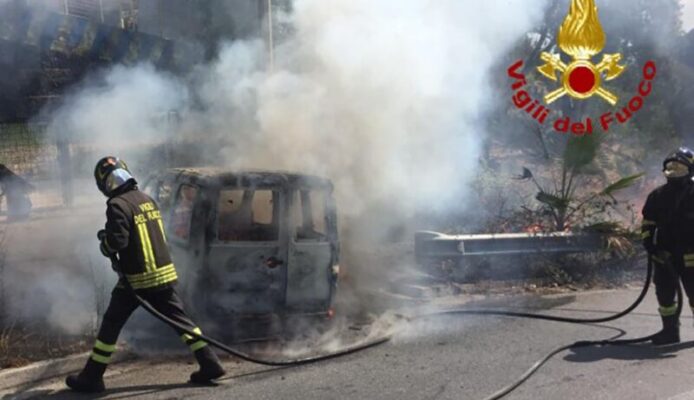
column 436, row 246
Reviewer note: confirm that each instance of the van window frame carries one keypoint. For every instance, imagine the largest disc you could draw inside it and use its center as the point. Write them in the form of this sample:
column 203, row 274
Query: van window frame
column 297, row 193
column 280, row 216
column 171, row 235
column 152, row 187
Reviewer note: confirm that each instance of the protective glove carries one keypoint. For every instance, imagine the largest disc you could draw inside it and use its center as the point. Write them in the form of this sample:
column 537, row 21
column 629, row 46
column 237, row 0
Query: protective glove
column 101, row 235
column 103, row 250
column 115, row 268
column 648, row 241
column 651, row 248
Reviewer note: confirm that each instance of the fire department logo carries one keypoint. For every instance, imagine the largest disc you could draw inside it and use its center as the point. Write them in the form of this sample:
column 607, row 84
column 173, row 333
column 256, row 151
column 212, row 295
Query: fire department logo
column 581, row 36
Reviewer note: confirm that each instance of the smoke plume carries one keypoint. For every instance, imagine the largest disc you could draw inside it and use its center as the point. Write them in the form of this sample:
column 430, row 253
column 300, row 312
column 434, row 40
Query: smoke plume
column 386, row 98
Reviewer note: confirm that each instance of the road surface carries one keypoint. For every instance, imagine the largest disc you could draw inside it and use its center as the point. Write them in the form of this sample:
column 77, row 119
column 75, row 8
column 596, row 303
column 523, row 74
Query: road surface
column 449, row 357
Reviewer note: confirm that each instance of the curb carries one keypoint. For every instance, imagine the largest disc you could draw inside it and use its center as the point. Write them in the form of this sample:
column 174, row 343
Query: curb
column 44, row 370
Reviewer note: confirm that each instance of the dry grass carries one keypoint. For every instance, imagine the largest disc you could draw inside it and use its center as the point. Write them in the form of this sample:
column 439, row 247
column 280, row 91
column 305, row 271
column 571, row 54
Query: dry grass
column 23, row 344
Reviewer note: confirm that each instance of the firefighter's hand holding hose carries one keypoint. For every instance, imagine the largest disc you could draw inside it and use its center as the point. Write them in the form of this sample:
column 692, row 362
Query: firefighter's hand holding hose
column 648, row 237
column 103, row 247
column 655, row 252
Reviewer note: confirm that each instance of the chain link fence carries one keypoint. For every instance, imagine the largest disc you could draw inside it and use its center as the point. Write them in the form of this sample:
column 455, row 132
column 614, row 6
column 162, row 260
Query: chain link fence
column 55, row 168
column 29, row 153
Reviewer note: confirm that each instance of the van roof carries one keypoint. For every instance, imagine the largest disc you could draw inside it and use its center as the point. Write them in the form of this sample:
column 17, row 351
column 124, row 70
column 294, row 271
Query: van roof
column 223, row 176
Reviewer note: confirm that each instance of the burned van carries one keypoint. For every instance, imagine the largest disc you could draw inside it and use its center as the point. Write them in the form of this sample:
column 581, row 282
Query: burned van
column 250, row 244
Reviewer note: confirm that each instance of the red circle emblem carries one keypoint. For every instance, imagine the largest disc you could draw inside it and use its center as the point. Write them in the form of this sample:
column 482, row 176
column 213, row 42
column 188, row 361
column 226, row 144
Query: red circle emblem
column 582, row 80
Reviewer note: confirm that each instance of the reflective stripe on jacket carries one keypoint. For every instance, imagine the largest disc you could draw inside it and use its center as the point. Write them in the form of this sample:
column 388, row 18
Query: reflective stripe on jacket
column 135, row 230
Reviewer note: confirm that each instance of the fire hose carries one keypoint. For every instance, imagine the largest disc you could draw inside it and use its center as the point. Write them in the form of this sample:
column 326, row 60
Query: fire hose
column 282, row 363
column 377, row 341
column 582, row 343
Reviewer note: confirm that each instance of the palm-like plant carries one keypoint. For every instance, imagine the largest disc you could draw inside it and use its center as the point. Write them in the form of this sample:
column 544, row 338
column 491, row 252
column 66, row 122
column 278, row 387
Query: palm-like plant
column 563, row 202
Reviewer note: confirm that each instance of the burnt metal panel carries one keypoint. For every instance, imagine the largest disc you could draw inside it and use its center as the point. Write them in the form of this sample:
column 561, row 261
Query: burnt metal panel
column 250, row 178
column 309, row 276
column 236, row 277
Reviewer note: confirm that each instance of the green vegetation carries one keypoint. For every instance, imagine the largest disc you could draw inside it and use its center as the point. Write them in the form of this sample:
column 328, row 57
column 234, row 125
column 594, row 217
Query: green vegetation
column 535, row 179
column 562, row 203
column 578, row 177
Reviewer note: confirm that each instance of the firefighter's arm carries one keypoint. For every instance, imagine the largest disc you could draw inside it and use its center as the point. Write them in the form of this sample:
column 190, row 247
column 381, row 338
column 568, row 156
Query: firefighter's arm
column 117, row 232
column 649, row 224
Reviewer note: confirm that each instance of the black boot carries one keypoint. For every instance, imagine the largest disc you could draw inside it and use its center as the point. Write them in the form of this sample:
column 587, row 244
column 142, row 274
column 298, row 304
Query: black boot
column 670, row 333
column 210, row 368
column 90, row 380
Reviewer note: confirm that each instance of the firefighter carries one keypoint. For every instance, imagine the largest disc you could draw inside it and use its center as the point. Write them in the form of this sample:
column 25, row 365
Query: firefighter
column 668, row 236
column 135, row 232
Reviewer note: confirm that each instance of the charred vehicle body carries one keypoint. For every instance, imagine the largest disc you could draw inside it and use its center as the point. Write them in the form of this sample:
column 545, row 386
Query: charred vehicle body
column 257, row 250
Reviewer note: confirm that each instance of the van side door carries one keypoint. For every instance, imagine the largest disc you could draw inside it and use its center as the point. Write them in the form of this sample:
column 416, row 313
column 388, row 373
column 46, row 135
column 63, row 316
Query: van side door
column 311, row 270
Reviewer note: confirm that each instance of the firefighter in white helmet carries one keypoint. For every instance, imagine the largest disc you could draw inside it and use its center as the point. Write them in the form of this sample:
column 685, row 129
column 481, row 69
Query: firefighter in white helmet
column 668, row 236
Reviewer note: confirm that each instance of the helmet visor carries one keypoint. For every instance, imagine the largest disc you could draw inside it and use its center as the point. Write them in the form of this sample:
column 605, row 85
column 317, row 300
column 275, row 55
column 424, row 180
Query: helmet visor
column 675, row 169
column 117, row 178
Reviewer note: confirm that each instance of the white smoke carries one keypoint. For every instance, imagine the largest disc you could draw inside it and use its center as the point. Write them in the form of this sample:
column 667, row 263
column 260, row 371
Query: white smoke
column 62, row 301
column 687, row 15
column 125, row 106
column 386, row 98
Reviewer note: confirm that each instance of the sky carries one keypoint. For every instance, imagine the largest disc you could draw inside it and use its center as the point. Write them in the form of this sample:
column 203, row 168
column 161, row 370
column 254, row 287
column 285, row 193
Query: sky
column 688, row 17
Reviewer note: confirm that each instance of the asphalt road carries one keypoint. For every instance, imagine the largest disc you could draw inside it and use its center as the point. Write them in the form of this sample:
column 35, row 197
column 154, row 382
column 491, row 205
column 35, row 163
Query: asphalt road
column 450, row 357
